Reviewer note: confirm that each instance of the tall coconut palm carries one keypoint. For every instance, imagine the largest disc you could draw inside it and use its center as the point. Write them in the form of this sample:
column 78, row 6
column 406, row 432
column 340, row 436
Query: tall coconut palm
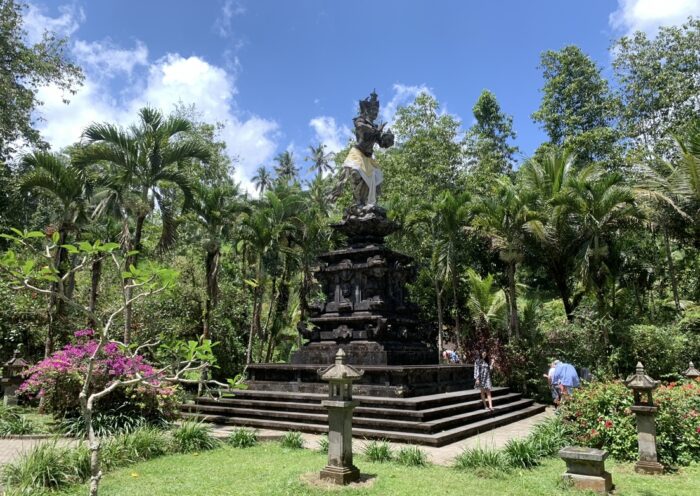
column 144, row 163
column 54, row 176
column 486, row 304
column 286, row 169
column 504, row 217
column 262, row 179
column 320, row 160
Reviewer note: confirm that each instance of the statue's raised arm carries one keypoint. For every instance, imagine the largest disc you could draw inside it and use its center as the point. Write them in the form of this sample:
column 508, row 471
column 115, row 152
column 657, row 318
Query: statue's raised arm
column 360, row 165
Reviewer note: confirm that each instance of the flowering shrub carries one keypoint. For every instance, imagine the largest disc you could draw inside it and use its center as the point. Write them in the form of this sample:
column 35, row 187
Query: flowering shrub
column 59, row 378
column 600, row 416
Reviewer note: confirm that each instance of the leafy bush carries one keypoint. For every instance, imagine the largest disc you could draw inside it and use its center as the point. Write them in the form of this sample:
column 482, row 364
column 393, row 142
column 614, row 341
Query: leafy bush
column 58, row 379
column 521, row 453
column 378, row 451
column 108, row 424
column 242, row 438
column 599, row 416
column 323, row 444
column 412, row 456
column 193, row 436
column 660, row 348
column 549, row 437
column 128, row 448
column 292, row 440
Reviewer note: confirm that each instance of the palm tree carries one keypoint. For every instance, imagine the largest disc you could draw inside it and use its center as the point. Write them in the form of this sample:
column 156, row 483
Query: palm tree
column 57, row 178
column 486, row 304
column 320, row 159
column 451, row 215
column 557, row 242
column 286, row 168
column 144, row 164
column 215, row 209
column 504, row 217
column 262, row 179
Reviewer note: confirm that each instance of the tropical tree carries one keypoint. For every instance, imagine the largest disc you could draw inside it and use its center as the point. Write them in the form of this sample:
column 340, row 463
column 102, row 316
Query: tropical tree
column 54, row 176
column 504, row 217
column 486, row 304
column 286, row 168
column 143, row 165
column 320, row 160
column 262, row 179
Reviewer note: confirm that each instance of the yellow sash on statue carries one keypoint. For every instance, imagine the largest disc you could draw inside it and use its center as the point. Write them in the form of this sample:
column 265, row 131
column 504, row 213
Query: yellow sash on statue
column 367, row 167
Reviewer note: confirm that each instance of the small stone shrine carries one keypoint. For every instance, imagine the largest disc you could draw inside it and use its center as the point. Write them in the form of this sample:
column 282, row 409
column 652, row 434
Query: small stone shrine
column 340, row 469
column 585, row 469
column 642, row 385
column 12, row 378
column 691, row 372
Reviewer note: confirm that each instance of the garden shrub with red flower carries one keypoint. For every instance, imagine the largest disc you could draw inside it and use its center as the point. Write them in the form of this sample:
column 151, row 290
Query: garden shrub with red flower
column 600, row 416
column 58, row 380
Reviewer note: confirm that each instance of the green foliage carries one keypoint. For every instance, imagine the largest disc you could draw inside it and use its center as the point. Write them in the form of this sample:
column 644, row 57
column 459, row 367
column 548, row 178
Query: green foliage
column 139, row 445
column 599, row 416
column 484, row 461
column 26, row 67
column 242, row 438
column 13, row 423
column 521, row 453
column 323, row 444
column 191, row 436
column 46, row 466
column 292, row 440
column 412, row 456
column 378, row 451
column 660, row 348
column 108, row 423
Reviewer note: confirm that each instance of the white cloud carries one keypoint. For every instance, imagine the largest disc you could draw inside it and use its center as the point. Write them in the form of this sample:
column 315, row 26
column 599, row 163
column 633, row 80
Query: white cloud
column 224, row 23
column 648, row 15
column 403, row 95
column 36, row 21
column 329, row 133
column 109, row 59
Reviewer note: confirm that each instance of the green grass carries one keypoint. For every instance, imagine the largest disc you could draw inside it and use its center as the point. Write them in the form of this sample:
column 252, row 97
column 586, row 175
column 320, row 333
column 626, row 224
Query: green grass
column 268, row 469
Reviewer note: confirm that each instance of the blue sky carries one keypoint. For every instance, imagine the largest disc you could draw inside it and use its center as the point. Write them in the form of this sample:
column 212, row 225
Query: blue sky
column 285, row 74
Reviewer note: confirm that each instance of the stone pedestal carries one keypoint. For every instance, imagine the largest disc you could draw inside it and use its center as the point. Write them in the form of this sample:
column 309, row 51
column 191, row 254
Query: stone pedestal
column 340, row 468
column 585, row 469
column 9, row 391
column 646, row 432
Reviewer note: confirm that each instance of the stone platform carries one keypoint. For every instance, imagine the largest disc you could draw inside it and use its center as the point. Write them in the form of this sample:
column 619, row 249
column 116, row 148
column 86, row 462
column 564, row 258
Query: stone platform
column 430, row 420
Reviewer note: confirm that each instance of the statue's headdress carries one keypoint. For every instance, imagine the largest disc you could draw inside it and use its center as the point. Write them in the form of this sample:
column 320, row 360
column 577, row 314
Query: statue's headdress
column 370, row 103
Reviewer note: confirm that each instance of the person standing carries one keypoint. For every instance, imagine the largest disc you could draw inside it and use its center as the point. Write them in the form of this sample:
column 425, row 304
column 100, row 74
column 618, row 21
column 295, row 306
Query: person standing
column 553, row 388
column 482, row 378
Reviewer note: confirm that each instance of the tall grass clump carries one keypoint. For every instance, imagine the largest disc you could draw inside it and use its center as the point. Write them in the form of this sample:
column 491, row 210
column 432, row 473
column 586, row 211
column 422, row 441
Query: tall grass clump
column 47, row 466
column 14, row 424
column 242, row 438
column 137, row 446
column 193, row 436
column 412, row 456
column 549, row 437
column 378, row 451
column 323, row 444
column 292, row 440
column 521, row 453
column 481, row 459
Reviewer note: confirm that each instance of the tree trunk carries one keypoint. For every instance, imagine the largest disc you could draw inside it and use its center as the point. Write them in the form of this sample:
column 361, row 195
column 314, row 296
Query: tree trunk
column 257, row 304
column 438, row 302
column 458, row 330
column 513, row 302
column 563, row 289
column 132, row 260
column 55, row 304
column 95, row 276
column 671, row 270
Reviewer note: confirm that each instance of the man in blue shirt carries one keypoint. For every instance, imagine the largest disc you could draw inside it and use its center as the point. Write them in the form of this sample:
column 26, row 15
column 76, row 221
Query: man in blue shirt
column 566, row 379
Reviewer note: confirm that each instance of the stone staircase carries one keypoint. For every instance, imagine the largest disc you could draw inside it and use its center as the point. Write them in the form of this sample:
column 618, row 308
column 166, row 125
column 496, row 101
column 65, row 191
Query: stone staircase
column 431, row 420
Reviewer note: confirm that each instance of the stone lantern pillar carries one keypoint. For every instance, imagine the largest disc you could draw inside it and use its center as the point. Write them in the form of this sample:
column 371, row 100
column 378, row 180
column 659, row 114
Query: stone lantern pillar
column 12, row 378
column 340, row 405
column 642, row 385
column 691, row 372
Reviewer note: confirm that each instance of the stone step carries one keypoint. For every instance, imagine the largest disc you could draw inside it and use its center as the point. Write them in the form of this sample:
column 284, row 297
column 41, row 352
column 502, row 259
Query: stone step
column 374, row 422
column 415, row 403
column 223, row 405
column 498, row 418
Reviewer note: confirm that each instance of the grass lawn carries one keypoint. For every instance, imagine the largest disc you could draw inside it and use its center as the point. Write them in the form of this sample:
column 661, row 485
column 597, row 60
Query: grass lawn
column 268, row 469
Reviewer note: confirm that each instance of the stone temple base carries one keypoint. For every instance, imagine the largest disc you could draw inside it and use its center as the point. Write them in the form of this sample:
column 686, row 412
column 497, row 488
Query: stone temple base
column 649, row 468
column 340, row 475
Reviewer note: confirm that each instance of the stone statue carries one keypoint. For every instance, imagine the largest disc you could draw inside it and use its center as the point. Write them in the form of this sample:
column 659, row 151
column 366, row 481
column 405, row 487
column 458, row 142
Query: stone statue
column 360, row 167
